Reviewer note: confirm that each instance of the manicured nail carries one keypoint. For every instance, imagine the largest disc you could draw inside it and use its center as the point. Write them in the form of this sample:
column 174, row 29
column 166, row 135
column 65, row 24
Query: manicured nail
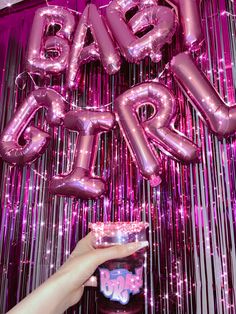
column 135, row 246
column 143, row 244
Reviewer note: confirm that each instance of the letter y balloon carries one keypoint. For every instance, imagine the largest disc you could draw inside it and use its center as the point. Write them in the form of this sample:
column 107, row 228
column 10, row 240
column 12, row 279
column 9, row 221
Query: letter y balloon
column 159, row 20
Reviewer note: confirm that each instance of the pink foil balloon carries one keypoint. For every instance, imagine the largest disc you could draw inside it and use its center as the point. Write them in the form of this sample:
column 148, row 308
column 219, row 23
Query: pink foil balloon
column 190, row 16
column 133, row 48
column 159, row 128
column 103, row 47
column 36, row 140
column 220, row 118
column 40, row 44
column 80, row 182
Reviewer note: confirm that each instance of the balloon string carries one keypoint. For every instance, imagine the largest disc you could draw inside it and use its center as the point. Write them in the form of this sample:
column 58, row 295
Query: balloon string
column 105, row 5
column 77, row 12
column 88, row 107
column 162, row 72
column 36, row 86
column 228, row 14
column 101, row 108
column 222, row 14
column 50, row 5
column 39, row 174
column 21, row 76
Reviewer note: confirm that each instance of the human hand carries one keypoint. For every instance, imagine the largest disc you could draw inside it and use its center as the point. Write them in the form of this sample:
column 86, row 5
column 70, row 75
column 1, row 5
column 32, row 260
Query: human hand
column 66, row 286
column 84, row 260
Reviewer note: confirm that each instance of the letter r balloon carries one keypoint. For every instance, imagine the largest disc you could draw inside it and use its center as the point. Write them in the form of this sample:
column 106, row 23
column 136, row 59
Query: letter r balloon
column 159, row 128
column 81, row 182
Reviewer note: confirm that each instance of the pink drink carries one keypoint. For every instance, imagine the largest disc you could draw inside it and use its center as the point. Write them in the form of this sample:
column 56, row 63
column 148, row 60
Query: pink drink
column 120, row 281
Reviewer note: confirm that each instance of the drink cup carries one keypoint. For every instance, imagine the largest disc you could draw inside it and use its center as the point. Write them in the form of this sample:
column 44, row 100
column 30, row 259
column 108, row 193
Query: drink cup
column 120, row 281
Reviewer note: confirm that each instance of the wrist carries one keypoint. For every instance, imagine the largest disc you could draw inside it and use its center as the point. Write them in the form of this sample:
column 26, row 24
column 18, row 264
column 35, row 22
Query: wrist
column 60, row 292
column 67, row 290
column 49, row 298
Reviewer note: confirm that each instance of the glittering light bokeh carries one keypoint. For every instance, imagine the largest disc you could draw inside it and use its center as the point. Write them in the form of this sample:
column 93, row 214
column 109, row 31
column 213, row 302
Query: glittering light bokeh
column 191, row 266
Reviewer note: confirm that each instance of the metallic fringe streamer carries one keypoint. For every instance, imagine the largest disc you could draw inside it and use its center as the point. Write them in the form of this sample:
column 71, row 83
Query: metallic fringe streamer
column 191, row 265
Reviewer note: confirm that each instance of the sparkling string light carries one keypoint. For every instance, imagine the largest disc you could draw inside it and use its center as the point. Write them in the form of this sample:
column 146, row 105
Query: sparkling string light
column 191, row 216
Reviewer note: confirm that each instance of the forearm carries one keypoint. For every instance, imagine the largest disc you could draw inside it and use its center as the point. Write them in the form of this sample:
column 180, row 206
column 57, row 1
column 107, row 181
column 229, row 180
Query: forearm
column 49, row 298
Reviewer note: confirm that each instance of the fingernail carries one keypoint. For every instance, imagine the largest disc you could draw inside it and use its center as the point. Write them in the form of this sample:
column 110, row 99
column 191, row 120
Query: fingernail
column 92, row 282
column 143, row 244
column 135, row 246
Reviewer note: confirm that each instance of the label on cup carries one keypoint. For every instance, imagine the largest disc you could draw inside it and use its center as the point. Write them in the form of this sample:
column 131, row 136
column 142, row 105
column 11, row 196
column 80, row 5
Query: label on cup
column 119, row 284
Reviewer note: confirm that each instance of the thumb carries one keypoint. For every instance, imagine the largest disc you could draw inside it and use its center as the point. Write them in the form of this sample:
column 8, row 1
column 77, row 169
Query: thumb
column 118, row 251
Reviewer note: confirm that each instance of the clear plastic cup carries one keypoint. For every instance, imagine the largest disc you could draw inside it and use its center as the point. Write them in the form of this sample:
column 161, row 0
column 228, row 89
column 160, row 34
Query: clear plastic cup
column 120, row 281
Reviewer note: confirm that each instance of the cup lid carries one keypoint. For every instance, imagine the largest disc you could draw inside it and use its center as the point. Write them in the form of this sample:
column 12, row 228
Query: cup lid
column 112, row 228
